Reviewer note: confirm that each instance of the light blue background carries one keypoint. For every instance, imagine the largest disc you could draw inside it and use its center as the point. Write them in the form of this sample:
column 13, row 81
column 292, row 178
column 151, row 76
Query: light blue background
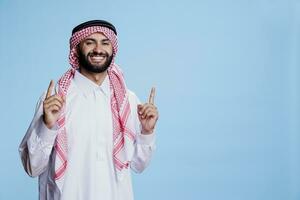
column 227, row 79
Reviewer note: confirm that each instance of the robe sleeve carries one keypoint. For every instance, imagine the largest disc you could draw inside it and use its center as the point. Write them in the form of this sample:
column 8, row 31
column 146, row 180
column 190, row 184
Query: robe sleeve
column 37, row 144
column 144, row 145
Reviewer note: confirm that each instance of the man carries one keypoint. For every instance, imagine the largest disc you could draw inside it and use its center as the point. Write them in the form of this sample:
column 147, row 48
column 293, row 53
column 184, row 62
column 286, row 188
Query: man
column 90, row 130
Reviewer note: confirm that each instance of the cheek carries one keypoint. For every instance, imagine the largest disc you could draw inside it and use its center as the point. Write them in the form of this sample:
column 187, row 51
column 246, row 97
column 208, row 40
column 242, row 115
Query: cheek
column 85, row 50
column 109, row 50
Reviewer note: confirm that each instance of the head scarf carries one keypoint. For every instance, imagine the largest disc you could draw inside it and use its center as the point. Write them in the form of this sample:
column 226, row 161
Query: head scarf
column 122, row 128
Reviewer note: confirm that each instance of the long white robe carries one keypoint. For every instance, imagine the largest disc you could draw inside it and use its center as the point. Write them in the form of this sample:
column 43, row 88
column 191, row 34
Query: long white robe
column 90, row 173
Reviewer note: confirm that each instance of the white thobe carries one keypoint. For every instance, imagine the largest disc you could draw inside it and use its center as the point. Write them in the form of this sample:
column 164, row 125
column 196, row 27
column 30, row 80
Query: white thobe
column 90, row 173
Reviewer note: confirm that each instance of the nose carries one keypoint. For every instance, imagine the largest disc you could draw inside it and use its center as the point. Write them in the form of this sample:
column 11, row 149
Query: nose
column 98, row 48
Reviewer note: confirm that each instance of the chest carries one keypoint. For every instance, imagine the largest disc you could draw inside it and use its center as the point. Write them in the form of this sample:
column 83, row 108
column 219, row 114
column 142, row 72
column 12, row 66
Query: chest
column 88, row 120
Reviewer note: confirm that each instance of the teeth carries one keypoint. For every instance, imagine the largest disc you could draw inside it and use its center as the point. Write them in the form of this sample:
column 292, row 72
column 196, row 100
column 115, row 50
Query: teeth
column 97, row 58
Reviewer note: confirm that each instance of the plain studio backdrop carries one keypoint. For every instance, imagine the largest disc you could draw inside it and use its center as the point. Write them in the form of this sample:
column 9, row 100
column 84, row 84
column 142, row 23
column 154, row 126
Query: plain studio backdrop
column 227, row 79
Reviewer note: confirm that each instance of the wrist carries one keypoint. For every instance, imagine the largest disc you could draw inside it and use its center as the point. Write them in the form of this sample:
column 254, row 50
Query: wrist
column 47, row 124
column 147, row 132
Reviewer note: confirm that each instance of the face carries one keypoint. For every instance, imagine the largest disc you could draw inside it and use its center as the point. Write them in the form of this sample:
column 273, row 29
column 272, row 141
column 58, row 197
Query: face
column 95, row 53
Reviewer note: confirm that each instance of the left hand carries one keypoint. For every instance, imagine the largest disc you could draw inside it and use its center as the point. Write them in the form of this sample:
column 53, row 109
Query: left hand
column 148, row 114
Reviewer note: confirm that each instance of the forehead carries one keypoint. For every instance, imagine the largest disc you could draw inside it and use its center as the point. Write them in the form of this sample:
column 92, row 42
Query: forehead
column 98, row 36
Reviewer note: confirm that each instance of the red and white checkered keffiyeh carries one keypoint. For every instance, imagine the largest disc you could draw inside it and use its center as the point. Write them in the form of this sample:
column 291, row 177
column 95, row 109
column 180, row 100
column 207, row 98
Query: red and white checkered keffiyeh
column 119, row 106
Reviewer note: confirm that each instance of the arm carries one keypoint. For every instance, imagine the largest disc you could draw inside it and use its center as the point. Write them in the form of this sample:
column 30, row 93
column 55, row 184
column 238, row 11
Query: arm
column 37, row 144
column 144, row 145
column 143, row 151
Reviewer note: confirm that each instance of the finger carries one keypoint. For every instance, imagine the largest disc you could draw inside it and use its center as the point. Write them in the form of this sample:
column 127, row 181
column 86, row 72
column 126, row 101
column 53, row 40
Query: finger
column 54, row 97
column 139, row 107
column 142, row 108
column 147, row 110
column 50, row 87
column 140, row 117
column 152, row 95
column 54, row 102
column 151, row 114
column 52, row 108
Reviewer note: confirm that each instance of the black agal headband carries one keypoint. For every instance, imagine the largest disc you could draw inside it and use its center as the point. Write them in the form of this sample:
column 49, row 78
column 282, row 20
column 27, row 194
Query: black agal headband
column 94, row 23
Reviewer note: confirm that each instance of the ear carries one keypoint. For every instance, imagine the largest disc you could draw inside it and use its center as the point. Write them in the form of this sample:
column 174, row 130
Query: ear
column 78, row 49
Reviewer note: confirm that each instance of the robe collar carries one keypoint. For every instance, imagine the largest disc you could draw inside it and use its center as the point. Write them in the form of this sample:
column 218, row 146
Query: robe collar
column 87, row 87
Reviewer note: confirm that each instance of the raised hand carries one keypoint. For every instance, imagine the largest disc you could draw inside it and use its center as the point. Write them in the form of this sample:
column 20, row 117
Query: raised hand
column 52, row 106
column 148, row 114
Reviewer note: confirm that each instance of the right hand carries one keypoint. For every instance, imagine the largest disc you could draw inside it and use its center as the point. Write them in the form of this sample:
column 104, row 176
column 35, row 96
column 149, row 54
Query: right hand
column 52, row 106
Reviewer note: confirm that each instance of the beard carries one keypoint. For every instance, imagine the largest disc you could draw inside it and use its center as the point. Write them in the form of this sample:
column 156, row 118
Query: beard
column 95, row 68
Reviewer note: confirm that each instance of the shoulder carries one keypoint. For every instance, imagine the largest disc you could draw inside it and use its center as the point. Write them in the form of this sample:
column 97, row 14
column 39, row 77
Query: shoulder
column 132, row 97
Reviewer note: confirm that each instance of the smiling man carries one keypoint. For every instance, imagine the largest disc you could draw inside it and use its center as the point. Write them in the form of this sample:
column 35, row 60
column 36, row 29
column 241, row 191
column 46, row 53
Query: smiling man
column 89, row 130
column 91, row 60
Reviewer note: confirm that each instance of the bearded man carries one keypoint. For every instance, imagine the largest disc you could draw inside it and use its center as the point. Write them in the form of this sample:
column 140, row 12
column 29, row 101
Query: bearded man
column 89, row 130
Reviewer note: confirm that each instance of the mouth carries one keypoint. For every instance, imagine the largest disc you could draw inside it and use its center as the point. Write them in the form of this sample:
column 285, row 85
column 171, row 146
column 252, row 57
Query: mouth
column 97, row 58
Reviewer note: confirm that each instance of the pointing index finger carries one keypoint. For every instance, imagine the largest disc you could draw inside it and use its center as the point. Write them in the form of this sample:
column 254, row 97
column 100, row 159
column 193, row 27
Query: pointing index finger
column 50, row 87
column 152, row 95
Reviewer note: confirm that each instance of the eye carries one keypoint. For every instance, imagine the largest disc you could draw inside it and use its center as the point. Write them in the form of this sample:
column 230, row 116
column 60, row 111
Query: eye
column 89, row 42
column 105, row 43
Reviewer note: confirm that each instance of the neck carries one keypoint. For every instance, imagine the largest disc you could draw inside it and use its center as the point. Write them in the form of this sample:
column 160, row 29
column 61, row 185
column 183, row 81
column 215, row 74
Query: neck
column 97, row 78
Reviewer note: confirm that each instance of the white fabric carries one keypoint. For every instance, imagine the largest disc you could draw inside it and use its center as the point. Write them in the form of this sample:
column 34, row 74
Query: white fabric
column 90, row 173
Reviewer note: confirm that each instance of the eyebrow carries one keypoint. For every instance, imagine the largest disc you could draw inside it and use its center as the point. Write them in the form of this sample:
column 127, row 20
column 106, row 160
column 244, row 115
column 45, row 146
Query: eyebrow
column 94, row 40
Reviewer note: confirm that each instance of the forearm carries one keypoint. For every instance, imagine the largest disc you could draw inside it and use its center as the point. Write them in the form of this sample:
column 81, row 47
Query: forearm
column 37, row 144
column 144, row 149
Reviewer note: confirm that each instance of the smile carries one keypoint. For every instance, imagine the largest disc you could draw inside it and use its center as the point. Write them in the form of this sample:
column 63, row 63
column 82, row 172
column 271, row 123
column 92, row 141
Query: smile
column 97, row 58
